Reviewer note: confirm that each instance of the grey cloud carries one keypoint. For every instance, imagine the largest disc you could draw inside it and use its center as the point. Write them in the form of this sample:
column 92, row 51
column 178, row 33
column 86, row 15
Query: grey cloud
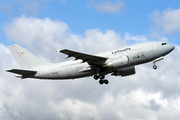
column 7, row 8
column 46, row 35
column 69, row 99
column 166, row 22
column 123, row 98
column 153, row 105
column 30, row 7
column 137, row 39
column 106, row 7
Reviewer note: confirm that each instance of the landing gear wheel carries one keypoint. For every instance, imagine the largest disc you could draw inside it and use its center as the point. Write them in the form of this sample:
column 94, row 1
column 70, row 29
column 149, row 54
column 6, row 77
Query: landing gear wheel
column 96, row 77
column 106, row 81
column 101, row 77
column 154, row 67
column 101, row 82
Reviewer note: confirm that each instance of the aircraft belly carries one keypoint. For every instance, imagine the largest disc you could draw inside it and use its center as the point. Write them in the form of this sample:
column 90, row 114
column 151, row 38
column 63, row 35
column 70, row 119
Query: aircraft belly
column 73, row 72
column 47, row 72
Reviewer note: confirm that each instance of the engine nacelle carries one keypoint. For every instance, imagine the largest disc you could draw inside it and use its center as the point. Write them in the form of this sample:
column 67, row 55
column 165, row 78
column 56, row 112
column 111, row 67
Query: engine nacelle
column 125, row 71
column 118, row 62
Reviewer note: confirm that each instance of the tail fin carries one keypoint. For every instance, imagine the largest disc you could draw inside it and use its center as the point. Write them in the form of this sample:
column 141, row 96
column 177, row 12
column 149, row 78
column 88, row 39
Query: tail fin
column 25, row 59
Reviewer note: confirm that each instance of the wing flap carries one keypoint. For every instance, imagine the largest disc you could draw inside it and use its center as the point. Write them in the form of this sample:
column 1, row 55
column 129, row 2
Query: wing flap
column 91, row 59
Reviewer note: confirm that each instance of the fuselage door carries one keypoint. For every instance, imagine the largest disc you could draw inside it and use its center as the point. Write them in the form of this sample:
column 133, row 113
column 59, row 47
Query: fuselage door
column 152, row 51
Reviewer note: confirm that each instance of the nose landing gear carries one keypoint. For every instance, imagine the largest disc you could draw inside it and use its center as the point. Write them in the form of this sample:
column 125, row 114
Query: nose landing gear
column 154, row 66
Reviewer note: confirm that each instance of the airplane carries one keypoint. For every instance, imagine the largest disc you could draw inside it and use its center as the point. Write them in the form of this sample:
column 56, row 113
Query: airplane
column 118, row 62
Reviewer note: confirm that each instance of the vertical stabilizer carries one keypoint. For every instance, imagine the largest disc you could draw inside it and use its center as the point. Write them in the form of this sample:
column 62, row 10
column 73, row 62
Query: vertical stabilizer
column 25, row 59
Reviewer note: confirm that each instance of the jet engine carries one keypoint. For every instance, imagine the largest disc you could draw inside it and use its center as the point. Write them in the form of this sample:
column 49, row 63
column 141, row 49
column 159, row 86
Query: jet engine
column 118, row 62
column 125, row 71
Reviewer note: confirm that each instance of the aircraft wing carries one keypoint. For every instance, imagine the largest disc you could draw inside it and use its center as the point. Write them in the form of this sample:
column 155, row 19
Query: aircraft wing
column 24, row 73
column 91, row 59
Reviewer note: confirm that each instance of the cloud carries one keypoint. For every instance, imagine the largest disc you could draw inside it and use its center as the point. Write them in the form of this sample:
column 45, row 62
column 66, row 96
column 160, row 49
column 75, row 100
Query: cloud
column 49, row 34
column 137, row 38
column 151, row 92
column 6, row 7
column 167, row 21
column 75, row 110
column 32, row 8
column 35, row 29
column 106, row 7
column 29, row 7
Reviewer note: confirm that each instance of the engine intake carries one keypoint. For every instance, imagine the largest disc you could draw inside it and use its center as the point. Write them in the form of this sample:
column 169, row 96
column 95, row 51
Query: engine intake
column 125, row 71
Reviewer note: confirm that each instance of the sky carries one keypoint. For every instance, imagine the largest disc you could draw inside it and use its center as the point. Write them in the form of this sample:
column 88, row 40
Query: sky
column 89, row 26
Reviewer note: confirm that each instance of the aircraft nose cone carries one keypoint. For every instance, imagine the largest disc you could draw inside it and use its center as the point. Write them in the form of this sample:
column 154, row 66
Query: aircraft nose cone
column 172, row 47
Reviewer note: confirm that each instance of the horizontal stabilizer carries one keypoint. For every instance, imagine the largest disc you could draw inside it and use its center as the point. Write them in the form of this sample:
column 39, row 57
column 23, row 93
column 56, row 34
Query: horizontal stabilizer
column 24, row 73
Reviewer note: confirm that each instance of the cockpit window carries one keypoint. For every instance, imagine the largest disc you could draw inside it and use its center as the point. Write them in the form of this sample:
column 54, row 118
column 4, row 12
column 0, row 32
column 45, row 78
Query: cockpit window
column 164, row 43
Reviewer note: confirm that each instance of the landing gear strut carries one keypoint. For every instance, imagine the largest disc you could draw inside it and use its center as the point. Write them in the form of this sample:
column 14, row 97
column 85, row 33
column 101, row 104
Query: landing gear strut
column 154, row 66
column 100, row 76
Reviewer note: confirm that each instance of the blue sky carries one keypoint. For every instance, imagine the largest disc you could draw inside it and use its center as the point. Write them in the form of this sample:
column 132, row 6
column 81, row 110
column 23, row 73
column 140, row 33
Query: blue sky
column 133, row 17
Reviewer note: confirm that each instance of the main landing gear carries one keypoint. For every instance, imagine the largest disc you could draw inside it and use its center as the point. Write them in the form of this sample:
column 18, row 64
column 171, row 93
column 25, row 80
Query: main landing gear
column 102, row 80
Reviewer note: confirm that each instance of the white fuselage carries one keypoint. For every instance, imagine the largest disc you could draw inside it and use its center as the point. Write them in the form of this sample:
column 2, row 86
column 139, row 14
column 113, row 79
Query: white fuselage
column 136, row 54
